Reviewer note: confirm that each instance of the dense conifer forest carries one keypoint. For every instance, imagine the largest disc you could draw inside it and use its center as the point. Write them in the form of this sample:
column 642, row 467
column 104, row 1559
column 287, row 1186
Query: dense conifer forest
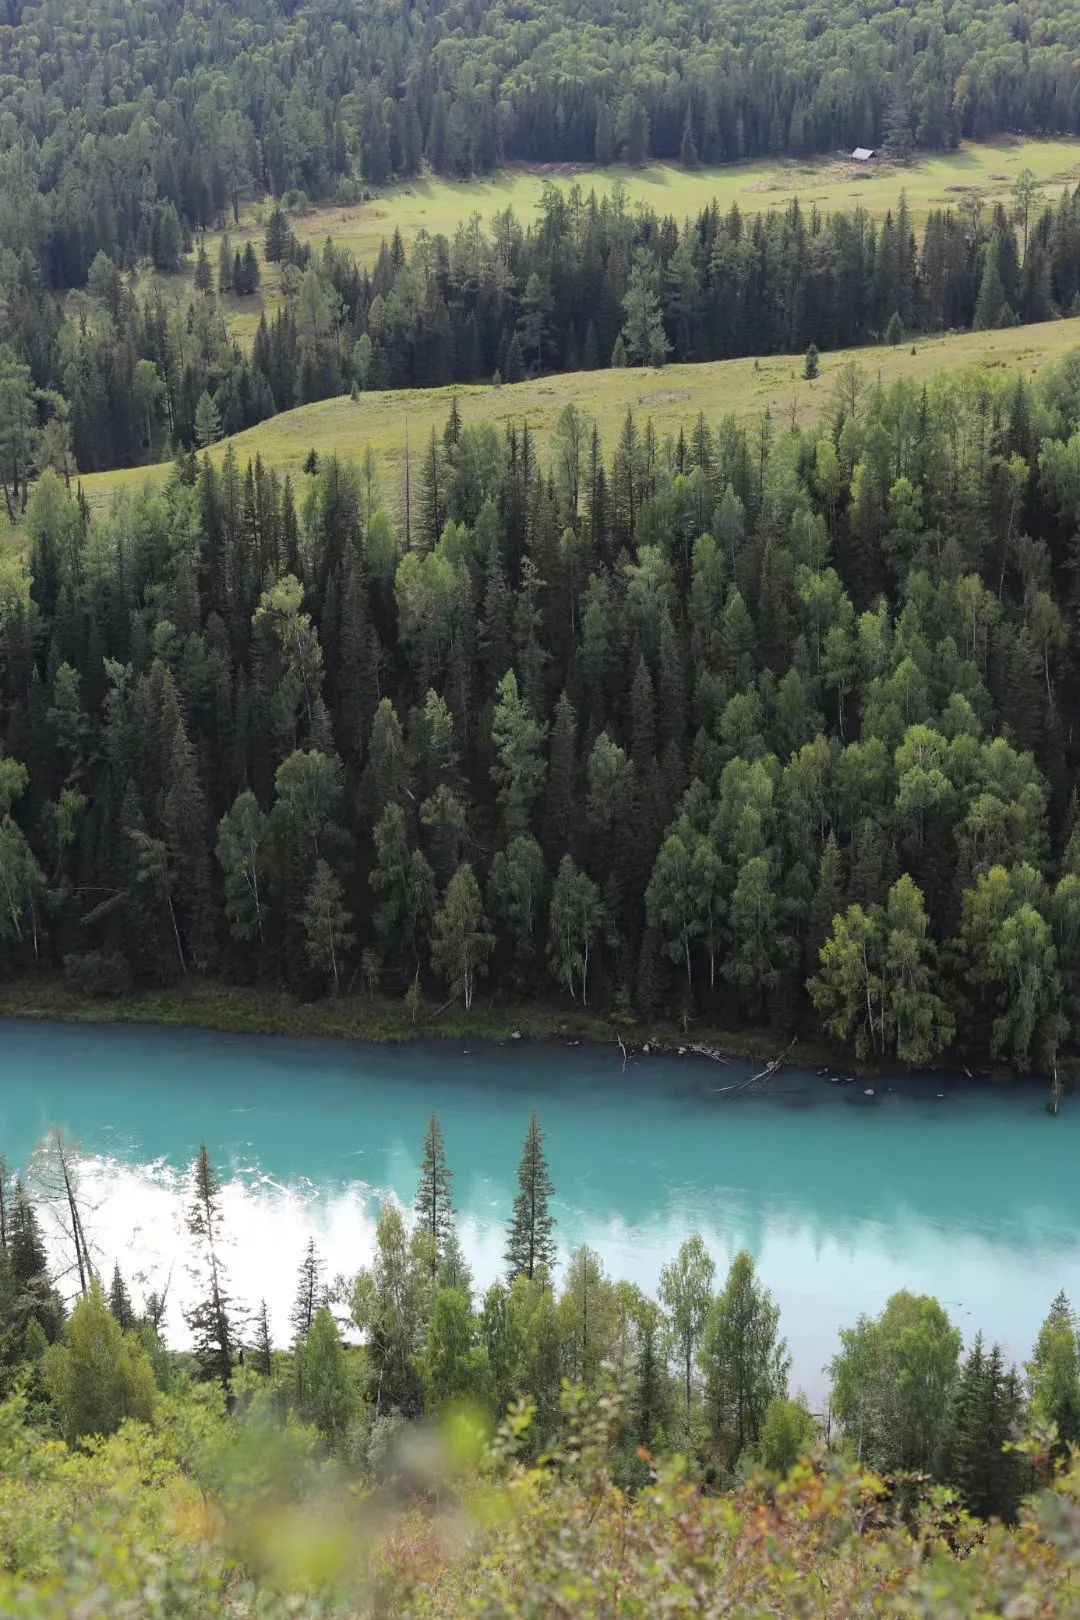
column 758, row 728
column 125, row 135
column 755, row 726
column 121, row 121
column 107, row 376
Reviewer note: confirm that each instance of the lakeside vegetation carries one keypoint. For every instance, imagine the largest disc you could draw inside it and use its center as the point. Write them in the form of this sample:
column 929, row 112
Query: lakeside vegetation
column 246, row 1010
column 356, row 1469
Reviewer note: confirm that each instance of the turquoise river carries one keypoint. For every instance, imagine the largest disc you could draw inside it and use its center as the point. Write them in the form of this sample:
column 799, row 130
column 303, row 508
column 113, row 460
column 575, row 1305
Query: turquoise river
column 973, row 1195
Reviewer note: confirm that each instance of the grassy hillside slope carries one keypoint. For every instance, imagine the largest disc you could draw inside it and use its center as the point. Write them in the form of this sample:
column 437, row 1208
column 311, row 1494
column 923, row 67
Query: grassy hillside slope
column 671, row 396
column 986, row 170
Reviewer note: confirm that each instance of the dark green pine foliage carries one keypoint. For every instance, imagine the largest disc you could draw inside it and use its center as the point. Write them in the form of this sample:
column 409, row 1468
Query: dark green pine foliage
column 263, row 1346
column 562, row 772
column 434, row 1195
column 310, row 1293
column 530, row 1246
column 984, row 1419
column 120, row 1300
column 277, row 236
column 432, row 503
column 26, row 1246
column 209, row 1317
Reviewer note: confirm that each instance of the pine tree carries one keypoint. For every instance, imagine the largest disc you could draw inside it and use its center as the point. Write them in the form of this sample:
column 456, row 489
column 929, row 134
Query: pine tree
column 203, row 276
column 209, row 1319
column 518, row 743
column 991, row 306
column 513, row 369
column 26, row 1246
column 120, row 1301
column 643, row 335
column 207, row 422
column 452, row 430
column 530, row 1246
column 562, row 773
column 604, row 144
column 263, row 1346
column 225, row 265
column 811, row 364
column 249, row 265
column 309, row 1291
column 894, row 332
column 277, row 236
column 432, row 495
column 983, row 1417
column 434, row 1196
column 184, row 818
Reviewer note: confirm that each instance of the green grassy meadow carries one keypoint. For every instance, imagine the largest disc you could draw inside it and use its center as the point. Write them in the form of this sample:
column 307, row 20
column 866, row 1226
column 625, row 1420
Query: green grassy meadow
column 987, row 170
column 671, row 396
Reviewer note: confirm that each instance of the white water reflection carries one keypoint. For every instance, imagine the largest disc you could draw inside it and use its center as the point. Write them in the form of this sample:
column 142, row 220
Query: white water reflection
column 135, row 1215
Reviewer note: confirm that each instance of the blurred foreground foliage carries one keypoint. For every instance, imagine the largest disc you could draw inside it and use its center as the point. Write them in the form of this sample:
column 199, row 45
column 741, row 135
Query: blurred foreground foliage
column 199, row 1513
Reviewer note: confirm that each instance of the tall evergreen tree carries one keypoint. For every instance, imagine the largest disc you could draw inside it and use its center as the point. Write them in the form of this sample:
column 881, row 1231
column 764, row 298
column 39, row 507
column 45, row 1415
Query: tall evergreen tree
column 120, row 1301
column 309, row 1291
column 209, row 1318
column 530, row 1246
column 434, row 1195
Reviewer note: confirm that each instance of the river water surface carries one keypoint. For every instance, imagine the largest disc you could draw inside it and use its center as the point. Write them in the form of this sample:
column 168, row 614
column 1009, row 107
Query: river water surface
column 842, row 1198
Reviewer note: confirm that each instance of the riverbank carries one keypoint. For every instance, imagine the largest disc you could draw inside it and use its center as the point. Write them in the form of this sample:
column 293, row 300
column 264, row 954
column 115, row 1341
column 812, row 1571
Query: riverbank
column 241, row 1010
column 253, row 1010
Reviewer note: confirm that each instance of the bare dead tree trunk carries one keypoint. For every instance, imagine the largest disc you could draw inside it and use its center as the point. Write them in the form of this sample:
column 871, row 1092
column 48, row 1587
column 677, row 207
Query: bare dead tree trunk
column 56, row 1172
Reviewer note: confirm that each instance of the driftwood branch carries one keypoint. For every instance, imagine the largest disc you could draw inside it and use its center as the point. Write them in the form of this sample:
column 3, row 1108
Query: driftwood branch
column 707, row 1052
column 771, row 1069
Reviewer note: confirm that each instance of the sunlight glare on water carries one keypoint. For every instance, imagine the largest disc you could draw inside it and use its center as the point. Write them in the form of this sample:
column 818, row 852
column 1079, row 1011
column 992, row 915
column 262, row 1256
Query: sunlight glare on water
column 841, row 1198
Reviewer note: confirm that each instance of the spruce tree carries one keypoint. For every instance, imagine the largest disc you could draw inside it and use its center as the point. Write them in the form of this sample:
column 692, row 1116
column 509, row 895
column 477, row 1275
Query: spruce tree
column 250, row 271
column 207, row 422
column 204, row 276
column 263, row 1346
column 983, row 1419
column 432, row 495
column 562, row 771
column 120, row 1300
column 25, row 1243
column 643, row 336
column 309, row 1291
column 991, row 306
column 277, row 236
column 434, row 1196
column 530, row 1246
column 811, row 364
column 209, row 1317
